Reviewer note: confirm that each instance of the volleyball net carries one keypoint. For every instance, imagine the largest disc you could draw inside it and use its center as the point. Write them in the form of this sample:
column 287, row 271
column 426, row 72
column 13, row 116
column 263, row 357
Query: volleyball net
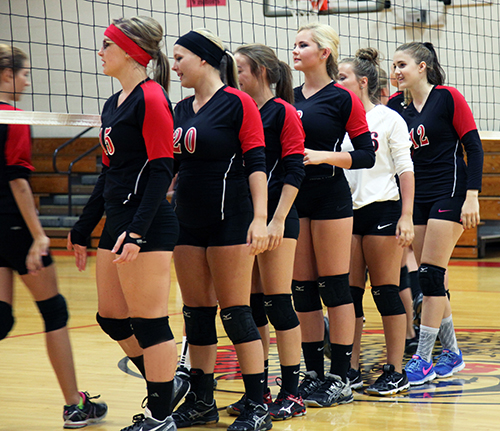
column 62, row 38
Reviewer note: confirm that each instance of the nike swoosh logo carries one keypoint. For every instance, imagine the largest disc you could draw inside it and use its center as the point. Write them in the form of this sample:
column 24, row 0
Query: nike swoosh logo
column 444, row 211
column 320, row 348
column 384, row 226
column 262, row 381
column 426, row 371
column 296, row 372
column 349, row 353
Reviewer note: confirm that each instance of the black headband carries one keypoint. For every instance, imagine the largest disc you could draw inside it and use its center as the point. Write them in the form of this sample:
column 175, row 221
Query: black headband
column 202, row 47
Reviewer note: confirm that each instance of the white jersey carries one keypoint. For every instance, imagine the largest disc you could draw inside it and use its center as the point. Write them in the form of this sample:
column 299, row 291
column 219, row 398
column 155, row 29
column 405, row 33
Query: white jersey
column 392, row 156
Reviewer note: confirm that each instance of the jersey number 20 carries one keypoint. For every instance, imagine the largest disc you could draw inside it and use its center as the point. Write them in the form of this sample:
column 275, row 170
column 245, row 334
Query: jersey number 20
column 189, row 140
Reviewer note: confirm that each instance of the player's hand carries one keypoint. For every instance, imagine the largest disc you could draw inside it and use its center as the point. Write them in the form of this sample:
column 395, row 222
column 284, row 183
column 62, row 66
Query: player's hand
column 313, row 157
column 404, row 231
column 470, row 210
column 80, row 253
column 129, row 252
column 39, row 248
column 257, row 238
column 275, row 232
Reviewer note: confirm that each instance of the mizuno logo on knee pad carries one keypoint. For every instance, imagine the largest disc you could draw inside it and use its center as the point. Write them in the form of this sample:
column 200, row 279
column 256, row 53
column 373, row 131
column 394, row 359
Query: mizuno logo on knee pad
column 321, row 284
column 227, row 316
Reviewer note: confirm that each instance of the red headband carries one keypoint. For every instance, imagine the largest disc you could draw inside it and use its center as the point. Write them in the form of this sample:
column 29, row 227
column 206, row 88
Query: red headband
column 128, row 45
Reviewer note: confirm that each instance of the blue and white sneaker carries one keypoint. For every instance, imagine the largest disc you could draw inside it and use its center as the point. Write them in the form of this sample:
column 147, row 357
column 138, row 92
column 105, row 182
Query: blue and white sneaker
column 449, row 363
column 419, row 371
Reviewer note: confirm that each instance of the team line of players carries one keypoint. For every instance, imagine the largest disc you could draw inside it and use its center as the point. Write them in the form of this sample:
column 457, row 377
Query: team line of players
column 275, row 187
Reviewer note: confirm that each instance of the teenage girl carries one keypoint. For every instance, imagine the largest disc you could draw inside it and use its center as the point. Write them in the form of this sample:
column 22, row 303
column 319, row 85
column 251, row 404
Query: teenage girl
column 258, row 70
column 25, row 247
column 221, row 203
column 136, row 245
column 321, row 269
column 441, row 127
column 382, row 221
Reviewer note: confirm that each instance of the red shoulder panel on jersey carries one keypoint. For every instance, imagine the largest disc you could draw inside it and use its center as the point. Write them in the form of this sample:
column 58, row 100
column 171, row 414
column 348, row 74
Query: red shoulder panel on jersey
column 158, row 127
column 396, row 94
column 18, row 145
column 463, row 120
column 251, row 132
column 292, row 135
column 356, row 124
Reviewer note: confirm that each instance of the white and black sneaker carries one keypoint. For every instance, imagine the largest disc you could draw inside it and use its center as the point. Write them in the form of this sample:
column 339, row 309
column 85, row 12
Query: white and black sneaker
column 332, row 392
column 254, row 417
column 195, row 412
column 182, row 384
column 310, row 382
column 389, row 383
column 145, row 422
column 355, row 379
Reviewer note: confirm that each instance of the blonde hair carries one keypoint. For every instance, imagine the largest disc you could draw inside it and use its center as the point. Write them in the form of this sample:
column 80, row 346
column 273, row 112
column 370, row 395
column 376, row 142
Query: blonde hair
column 325, row 37
column 12, row 58
column 228, row 69
column 147, row 33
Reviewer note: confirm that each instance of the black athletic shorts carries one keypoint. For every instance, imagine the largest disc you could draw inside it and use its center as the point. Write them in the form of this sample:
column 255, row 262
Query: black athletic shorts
column 230, row 231
column 292, row 224
column 15, row 243
column 443, row 209
column 377, row 218
column 327, row 198
column 162, row 234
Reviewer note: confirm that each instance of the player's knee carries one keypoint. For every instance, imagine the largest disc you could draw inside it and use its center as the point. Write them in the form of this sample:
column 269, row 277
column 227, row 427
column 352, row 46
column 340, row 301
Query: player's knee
column 239, row 324
column 280, row 311
column 258, row 309
column 200, row 325
column 6, row 319
column 306, row 296
column 117, row 329
column 150, row 332
column 357, row 298
column 54, row 312
column 387, row 300
column 431, row 280
column 334, row 290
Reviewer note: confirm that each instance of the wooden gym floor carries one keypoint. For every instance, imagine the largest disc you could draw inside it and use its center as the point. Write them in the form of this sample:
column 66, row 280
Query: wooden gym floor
column 31, row 400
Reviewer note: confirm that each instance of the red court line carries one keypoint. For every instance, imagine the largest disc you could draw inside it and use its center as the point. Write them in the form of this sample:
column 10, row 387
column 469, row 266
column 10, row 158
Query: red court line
column 480, row 264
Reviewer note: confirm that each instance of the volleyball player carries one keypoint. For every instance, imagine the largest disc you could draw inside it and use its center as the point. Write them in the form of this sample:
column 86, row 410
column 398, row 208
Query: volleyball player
column 136, row 245
column 219, row 145
column 325, row 209
column 408, row 264
column 258, row 70
column 25, row 247
column 382, row 221
column 441, row 126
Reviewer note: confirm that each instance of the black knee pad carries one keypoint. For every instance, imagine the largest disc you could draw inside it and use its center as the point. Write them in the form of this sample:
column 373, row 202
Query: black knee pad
column 334, row 290
column 431, row 280
column 54, row 312
column 200, row 325
column 239, row 325
column 404, row 282
column 306, row 296
column 258, row 309
column 387, row 300
column 280, row 311
column 117, row 329
column 357, row 298
column 6, row 319
column 150, row 332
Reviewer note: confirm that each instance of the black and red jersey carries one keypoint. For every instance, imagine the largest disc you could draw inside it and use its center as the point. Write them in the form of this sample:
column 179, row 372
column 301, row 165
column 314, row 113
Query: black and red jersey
column 326, row 117
column 397, row 101
column 137, row 142
column 284, row 137
column 15, row 159
column 439, row 133
column 217, row 148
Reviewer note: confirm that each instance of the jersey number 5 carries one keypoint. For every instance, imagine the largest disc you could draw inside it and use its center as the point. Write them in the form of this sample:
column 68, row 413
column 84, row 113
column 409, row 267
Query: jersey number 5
column 422, row 138
column 189, row 140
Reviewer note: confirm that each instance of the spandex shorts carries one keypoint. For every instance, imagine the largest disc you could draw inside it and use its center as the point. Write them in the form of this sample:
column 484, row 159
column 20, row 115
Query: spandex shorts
column 15, row 243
